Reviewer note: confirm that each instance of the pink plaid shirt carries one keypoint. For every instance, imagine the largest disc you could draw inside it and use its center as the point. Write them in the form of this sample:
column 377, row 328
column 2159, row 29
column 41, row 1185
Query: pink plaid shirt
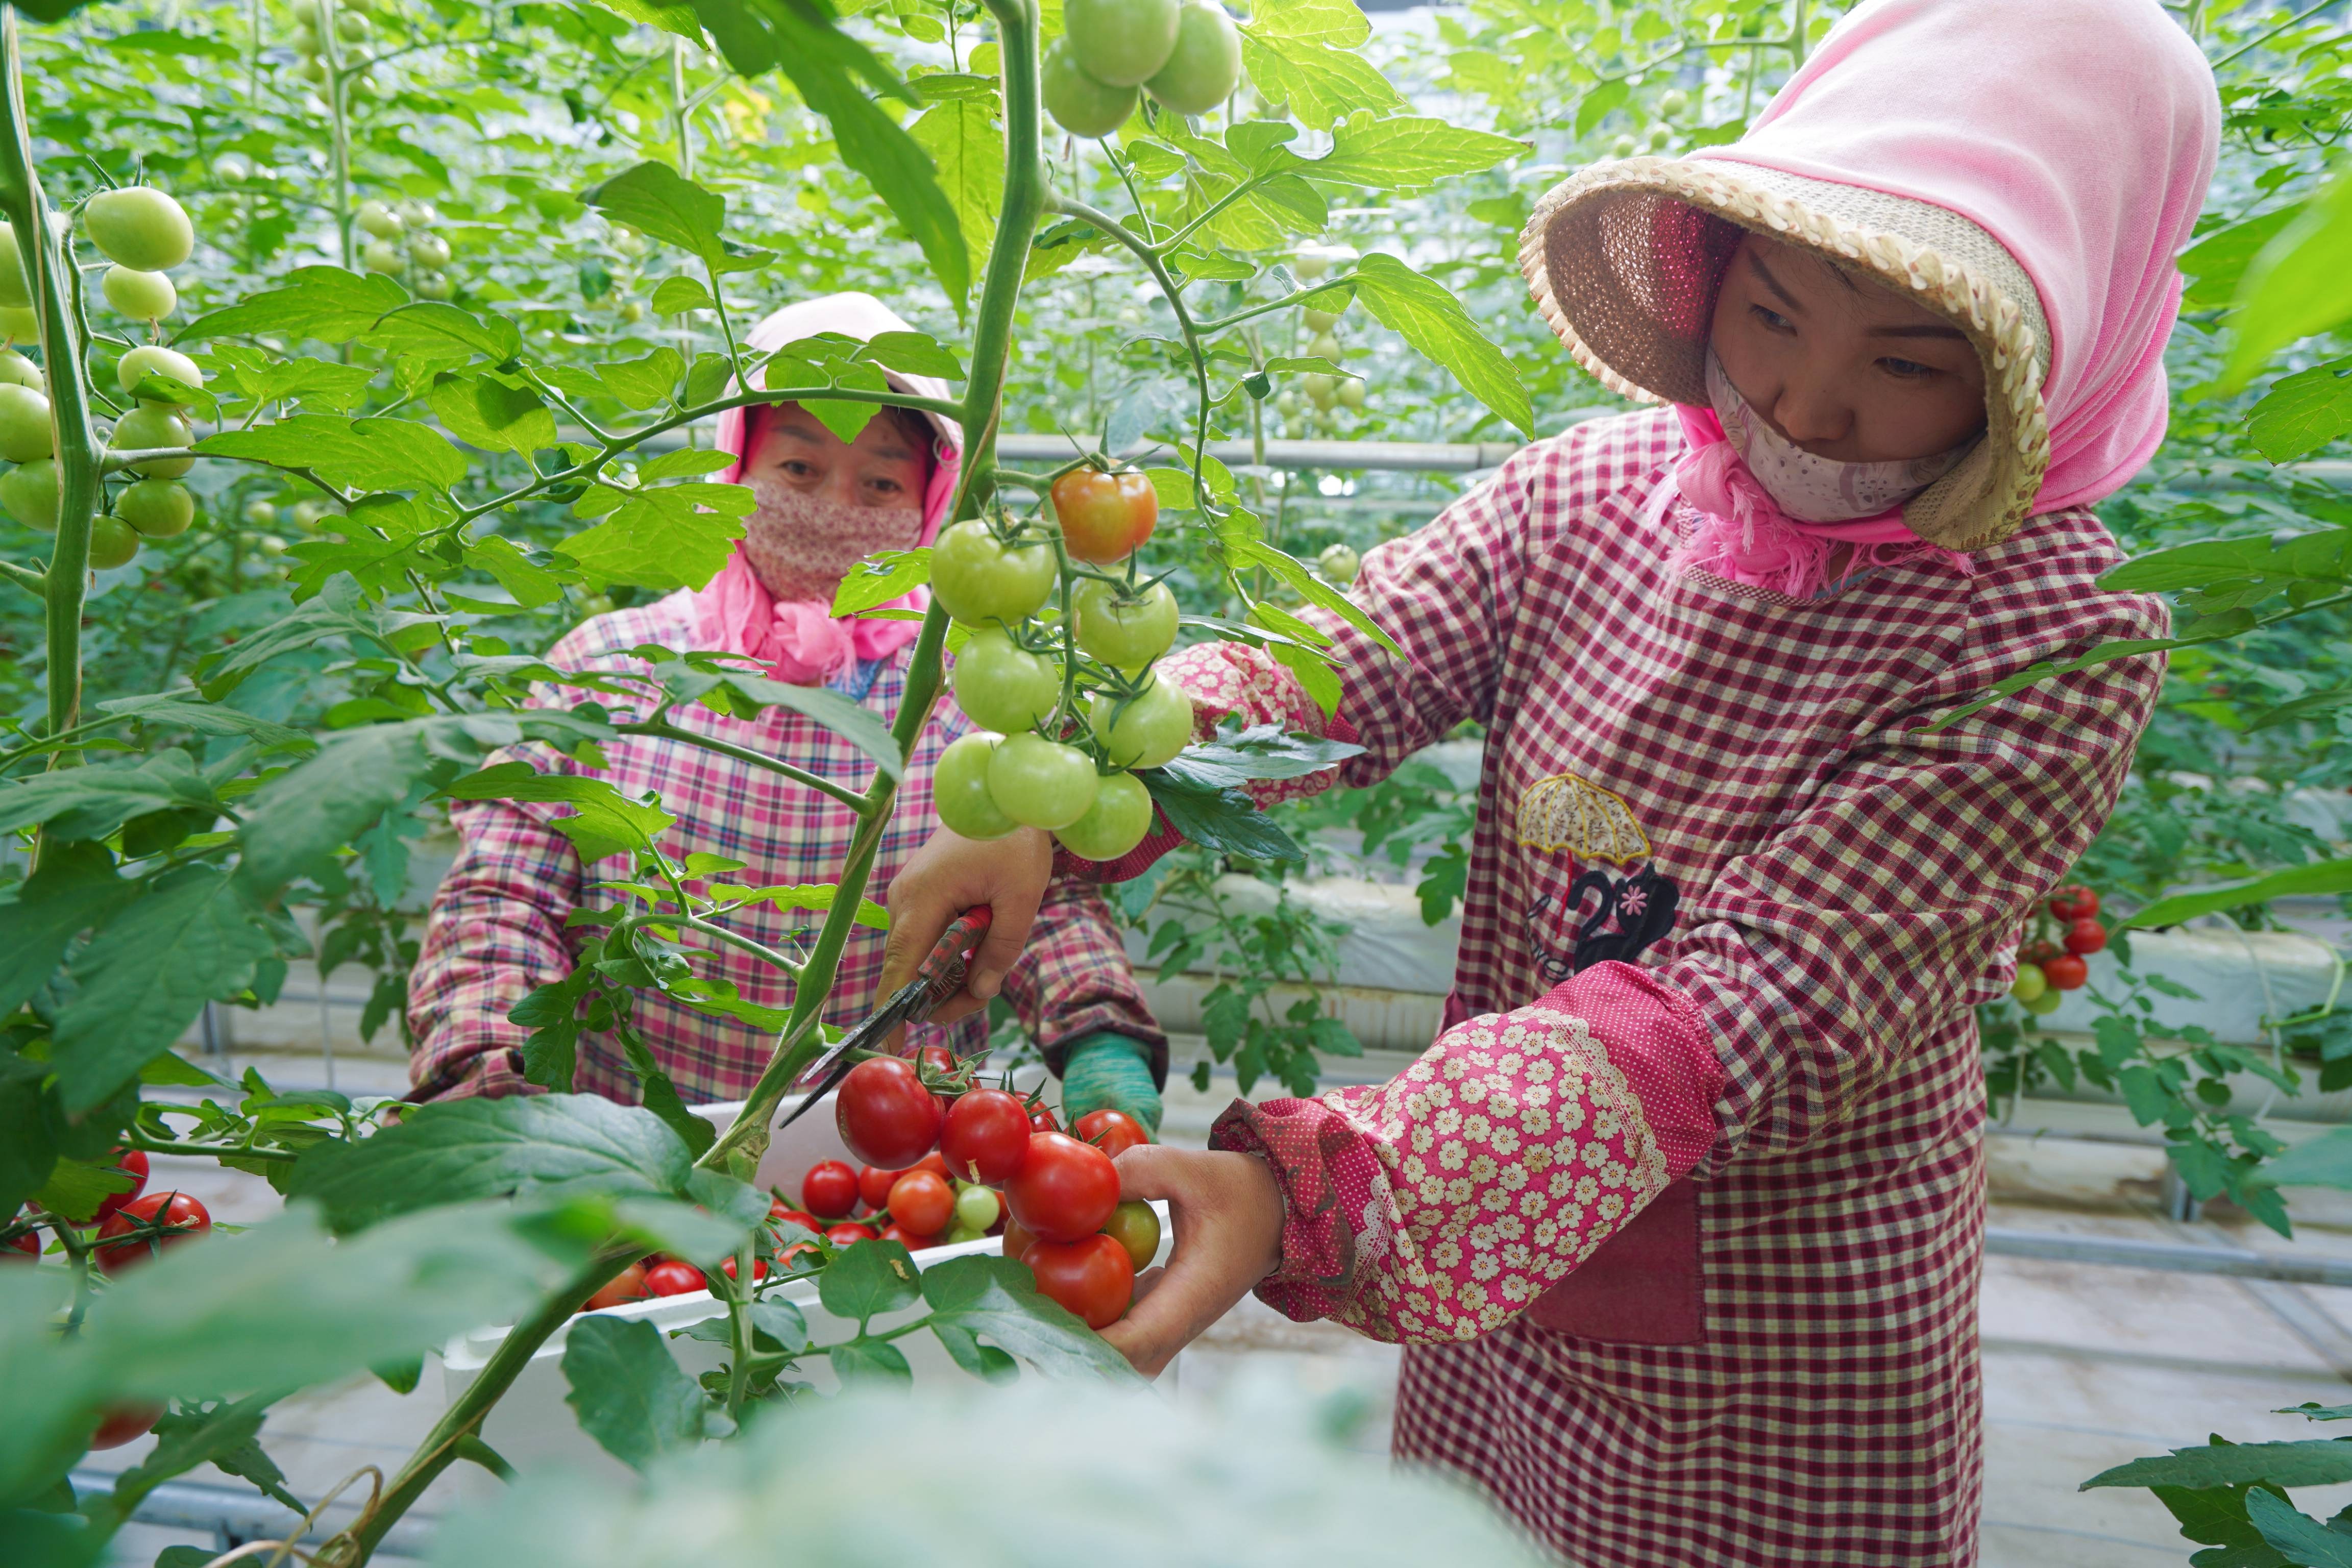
column 497, row 927
column 1681, row 1221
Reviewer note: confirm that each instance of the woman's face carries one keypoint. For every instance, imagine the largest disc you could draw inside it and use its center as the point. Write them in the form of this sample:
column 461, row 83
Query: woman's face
column 1842, row 366
column 884, row 467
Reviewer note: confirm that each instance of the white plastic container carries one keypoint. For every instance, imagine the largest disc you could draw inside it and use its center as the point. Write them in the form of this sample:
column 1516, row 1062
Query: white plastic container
column 532, row 1425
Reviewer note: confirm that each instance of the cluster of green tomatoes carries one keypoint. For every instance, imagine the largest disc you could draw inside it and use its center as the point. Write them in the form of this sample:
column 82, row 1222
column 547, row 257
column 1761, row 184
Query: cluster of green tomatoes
column 142, row 232
column 1187, row 54
column 420, row 259
column 1067, row 709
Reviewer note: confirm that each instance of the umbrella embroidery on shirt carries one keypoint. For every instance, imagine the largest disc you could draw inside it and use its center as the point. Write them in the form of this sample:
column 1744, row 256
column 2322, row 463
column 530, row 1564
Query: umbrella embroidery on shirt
column 1565, row 812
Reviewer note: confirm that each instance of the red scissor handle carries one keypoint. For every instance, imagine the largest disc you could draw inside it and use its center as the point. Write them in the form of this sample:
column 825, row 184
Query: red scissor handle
column 942, row 970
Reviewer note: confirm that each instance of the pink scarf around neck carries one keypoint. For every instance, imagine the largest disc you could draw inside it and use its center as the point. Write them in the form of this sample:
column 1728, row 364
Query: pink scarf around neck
column 1741, row 535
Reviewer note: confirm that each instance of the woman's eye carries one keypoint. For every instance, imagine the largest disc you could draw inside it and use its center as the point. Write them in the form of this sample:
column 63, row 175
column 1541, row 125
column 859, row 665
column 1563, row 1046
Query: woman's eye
column 887, row 487
column 1773, row 318
column 797, row 469
column 1907, row 370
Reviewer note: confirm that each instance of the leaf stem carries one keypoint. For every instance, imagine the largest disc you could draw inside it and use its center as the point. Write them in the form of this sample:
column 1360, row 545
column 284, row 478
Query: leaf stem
column 823, row 785
column 1254, row 311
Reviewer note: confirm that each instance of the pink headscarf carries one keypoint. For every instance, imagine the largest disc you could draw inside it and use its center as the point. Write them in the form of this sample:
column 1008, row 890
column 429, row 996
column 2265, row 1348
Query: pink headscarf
column 802, row 641
column 2079, row 133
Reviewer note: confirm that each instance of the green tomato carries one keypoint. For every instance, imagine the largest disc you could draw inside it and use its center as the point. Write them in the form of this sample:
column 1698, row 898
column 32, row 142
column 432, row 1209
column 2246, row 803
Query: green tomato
column 1309, row 265
column 19, row 325
column 16, row 288
column 139, row 227
column 306, row 44
column 983, row 582
column 24, row 425
column 1339, row 564
column 30, row 493
column 417, row 214
column 1350, row 393
column 1115, row 823
column 270, row 544
column 260, row 513
column 632, row 311
column 2029, row 982
column 1002, row 687
column 1660, row 135
column 959, row 1233
column 2047, row 1003
column 429, row 250
column 378, row 220
column 1287, row 404
column 1079, row 104
column 1673, row 102
column 1147, row 732
column 1129, row 633
column 306, row 514
column 1623, row 147
column 15, row 370
column 158, row 509
column 1324, row 346
column 113, row 543
column 352, row 26
column 978, row 1208
column 960, row 788
column 1319, row 320
column 313, row 70
column 148, row 426
column 383, row 255
column 154, row 359
column 1321, row 390
column 141, row 296
column 1120, row 43
column 1040, row 783
column 1207, row 63
column 434, row 285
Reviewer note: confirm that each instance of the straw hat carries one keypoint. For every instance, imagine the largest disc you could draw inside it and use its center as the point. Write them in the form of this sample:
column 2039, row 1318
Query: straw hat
column 1624, row 260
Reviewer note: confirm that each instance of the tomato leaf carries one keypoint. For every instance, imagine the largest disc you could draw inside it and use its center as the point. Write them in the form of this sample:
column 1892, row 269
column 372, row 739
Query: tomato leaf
column 662, row 204
column 983, row 1361
column 2319, row 878
column 73, row 888
column 1427, row 315
column 729, row 690
column 881, row 577
column 535, row 1146
column 673, row 536
column 182, row 711
column 967, row 148
column 628, row 1391
column 2311, row 1462
column 2296, row 1535
column 433, row 329
column 2303, row 412
column 998, row 1297
column 196, row 937
column 1406, row 152
column 868, row 1279
column 1264, row 752
column 2295, row 285
column 227, row 1436
column 92, row 801
column 322, row 302
column 913, row 353
column 297, row 823
column 363, row 454
column 869, row 1360
column 1215, row 816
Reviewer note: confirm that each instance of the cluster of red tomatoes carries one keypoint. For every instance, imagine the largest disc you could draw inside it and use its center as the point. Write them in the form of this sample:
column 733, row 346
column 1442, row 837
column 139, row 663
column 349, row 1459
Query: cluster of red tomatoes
column 2050, row 961
column 1059, row 1211
column 129, row 1227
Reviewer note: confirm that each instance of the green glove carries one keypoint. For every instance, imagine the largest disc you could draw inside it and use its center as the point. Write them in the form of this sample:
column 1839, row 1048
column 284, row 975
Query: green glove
column 1109, row 1072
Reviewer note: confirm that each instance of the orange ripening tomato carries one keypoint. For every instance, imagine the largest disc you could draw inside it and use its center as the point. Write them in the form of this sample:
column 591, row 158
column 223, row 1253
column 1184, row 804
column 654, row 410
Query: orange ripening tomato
column 1104, row 516
column 628, row 1285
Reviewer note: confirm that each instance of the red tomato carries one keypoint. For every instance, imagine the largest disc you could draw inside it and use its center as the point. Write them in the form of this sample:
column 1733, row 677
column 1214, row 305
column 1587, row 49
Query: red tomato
column 885, row 1115
column 759, row 1268
column 922, row 1202
column 2039, row 952
column 843, row 1234
column 674, row 1279
column 1017, row 1241
column 2065, row 973
column 985, row 1136
column 133, row 1164
column 912, row 1240
column 1112, row 1131
column 784, row 1258
column 178, row 1216
column 874, row 1185
column 1041, row 1118
column 801, row 1217
column 829, row 1189
column 1105, row 516
column 938, row 1059
column 1092, row 1276
column 628, row 1285
column 934, row 1162
column 2074, row 902
column 28, row 1242
column 1063, row 1190
column 2085, row 936
column 121, row 1423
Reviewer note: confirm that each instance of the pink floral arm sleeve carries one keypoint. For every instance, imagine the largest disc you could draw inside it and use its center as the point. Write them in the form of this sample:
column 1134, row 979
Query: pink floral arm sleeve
column 1440, row 1204
column 495, row 934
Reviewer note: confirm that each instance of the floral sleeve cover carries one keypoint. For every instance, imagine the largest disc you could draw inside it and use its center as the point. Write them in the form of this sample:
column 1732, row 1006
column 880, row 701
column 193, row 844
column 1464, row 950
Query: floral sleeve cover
column 1440, row 1204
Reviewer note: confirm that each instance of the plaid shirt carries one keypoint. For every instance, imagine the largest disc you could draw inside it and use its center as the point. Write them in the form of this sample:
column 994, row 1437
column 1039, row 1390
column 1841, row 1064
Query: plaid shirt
column 1774, row 1361
column 497, row 927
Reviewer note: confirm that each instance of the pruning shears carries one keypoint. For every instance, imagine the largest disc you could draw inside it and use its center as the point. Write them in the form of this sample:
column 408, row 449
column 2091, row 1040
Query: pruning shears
column 940, row 976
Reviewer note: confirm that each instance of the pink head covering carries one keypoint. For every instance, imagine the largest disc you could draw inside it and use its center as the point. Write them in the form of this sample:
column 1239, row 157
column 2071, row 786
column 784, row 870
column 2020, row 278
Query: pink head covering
column 802, row 642
column 2079, row 133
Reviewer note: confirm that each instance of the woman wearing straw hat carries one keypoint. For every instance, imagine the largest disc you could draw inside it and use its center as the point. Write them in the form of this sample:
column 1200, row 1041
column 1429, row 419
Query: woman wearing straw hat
column 498, row 925
column 1681, row 1220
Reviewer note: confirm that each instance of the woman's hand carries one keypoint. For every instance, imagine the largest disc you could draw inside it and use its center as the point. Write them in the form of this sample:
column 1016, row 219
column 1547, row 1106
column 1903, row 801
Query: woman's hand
column 1228, row 1212
column 949, row 875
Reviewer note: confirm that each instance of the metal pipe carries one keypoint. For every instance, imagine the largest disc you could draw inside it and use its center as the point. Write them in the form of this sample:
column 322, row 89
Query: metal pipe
column 2169, row 1257
column 233, row 1516
column 1395, row 456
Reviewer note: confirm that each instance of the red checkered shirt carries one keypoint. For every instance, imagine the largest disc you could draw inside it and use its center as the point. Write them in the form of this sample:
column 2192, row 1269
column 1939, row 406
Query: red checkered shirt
column 1773, row 1360
column 497, row 927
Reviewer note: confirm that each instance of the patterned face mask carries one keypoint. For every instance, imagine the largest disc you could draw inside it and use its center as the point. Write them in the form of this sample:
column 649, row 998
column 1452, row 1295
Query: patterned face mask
column 1813, row 489
column 800, row 547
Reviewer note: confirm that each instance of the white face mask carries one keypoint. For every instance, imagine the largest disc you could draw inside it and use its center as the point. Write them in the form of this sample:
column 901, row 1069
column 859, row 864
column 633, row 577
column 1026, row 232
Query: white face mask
column 1813, row 489
column 801, row 548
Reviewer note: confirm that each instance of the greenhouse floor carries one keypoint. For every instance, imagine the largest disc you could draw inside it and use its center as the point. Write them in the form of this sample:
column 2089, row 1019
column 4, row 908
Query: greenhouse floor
column 2085, row 1366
